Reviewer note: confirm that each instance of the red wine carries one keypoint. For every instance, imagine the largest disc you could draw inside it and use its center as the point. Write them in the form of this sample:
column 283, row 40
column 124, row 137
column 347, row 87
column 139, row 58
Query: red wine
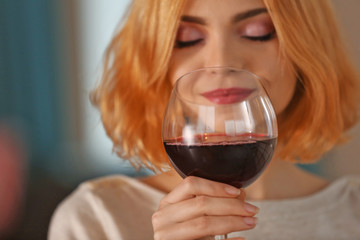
column 236, row 163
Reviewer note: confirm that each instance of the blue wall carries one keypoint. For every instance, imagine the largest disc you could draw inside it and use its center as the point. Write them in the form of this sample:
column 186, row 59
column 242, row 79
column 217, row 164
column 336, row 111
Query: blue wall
column 30, row 80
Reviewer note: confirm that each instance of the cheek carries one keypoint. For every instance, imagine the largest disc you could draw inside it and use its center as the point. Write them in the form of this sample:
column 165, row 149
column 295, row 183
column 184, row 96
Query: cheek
column 179, row 65
column 279, row 78
column 173, row 75
column 281, row 90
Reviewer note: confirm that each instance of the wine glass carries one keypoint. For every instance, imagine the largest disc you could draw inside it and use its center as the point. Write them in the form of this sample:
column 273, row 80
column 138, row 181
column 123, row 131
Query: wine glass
column 220, row 125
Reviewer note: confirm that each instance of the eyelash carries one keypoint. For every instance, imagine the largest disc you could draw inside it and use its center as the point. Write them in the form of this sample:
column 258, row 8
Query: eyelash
column 264, row 38
column 184, row 44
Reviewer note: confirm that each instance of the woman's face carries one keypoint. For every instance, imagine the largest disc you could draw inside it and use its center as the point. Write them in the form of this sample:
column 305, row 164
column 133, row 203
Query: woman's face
column 236, row 33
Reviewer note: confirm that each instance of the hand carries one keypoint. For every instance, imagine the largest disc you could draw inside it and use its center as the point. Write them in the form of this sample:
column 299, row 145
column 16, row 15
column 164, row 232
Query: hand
column 199, row 208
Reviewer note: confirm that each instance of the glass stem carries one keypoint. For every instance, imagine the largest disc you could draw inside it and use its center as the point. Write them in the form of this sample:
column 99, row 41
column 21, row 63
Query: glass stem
column 219, row 237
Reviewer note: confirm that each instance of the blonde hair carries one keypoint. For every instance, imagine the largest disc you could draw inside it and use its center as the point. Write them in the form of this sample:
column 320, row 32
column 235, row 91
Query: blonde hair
column 134, row 90
column 324, row 106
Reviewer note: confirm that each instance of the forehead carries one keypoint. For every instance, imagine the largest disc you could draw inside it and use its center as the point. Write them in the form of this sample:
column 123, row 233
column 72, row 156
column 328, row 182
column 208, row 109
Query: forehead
column 215, row 8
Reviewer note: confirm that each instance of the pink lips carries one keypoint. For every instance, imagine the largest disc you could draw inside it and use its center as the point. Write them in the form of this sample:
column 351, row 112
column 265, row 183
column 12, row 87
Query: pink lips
column 227, row 95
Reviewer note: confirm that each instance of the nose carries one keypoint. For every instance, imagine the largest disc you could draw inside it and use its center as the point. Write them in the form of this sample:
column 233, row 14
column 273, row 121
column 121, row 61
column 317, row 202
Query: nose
column 222, row 51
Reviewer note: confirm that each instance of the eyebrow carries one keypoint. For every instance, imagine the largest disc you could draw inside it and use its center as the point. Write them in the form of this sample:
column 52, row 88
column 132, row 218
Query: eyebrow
column 248, row 14
column 193, row 19
column 236, row 18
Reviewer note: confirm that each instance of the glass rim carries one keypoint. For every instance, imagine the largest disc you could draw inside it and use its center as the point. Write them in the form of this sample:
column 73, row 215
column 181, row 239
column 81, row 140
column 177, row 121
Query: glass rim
column 219, row 67
column 255, row 76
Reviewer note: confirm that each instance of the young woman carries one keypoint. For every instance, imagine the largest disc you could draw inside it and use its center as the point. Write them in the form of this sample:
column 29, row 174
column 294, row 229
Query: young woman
column 295, row 47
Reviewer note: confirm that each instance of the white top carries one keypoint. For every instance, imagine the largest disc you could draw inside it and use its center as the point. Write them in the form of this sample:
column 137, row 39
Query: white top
column 119, row 207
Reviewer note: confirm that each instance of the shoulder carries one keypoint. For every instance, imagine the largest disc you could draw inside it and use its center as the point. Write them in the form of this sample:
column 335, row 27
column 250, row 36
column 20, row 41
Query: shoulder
column 102, row 190
column 346, row 186
column 332, row 213
column 93, row 194
column 111, row 200
column 121, row 192
column 348, row 189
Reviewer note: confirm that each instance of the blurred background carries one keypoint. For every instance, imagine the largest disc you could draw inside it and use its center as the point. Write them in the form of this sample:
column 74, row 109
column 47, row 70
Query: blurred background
column 51, row 138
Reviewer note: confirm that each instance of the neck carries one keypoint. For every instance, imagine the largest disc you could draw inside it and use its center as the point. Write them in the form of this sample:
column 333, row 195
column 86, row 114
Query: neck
column 164, row 182
column 283, row 180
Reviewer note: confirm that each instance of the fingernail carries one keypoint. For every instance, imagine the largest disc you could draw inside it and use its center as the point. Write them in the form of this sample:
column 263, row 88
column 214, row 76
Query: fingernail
column 232, row 191
column 251, row 208
column 250, row 221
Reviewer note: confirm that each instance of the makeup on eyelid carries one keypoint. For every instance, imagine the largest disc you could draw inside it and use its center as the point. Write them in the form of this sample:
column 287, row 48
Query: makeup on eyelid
column 188, row 33
column 260, row 28
column 256, row 29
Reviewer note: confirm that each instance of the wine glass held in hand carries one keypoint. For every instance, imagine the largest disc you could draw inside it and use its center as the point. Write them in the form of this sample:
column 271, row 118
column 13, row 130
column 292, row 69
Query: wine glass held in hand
column 220, row 125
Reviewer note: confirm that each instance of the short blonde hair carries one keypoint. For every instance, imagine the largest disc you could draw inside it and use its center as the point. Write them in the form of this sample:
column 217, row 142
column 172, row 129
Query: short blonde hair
column 324, row 105
column 134, row 90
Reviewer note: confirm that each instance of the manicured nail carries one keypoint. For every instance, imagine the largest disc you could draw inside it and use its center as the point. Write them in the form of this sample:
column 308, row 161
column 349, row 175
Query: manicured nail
column 251, row 208
column 250, row 221
column 232, row 191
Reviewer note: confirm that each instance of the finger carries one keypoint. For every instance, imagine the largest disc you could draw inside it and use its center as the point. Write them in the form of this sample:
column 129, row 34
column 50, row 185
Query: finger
column 202, row 206
column 192, row 186
column 242, row 195
column 213, row 237
column 206, row 226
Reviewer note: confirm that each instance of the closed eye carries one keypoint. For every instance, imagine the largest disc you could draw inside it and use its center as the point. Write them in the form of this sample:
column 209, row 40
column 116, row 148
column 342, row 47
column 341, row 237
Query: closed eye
column 262, row 38
column 184, row 44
